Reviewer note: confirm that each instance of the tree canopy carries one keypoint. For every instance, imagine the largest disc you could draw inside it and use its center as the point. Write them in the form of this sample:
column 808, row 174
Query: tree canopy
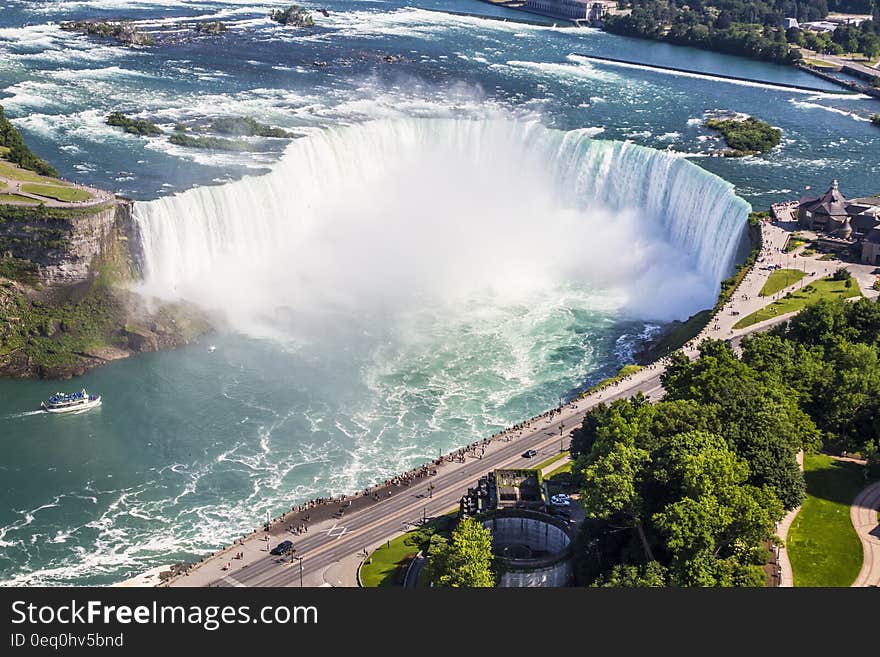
column 685, row 492
column 18, row 152
column 752, row 28
column 464, row 561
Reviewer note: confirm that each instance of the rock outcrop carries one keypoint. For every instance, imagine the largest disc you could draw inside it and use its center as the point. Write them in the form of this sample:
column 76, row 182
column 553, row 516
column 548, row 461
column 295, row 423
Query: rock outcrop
column 66, row 298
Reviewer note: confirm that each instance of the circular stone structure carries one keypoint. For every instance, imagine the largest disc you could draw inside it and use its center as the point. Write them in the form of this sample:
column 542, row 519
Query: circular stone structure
column 533, row 549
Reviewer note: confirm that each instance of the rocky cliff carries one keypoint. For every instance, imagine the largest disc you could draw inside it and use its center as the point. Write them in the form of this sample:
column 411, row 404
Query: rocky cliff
column 64, row 244
column 67, row 299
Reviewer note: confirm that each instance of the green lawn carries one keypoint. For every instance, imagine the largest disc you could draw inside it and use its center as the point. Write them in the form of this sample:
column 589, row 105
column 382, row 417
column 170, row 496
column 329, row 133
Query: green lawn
column 9, row 170
column 387, row 564
column 8, row 198
column 800, row 299
column 779, row 280
column 67, row 194
column 562, row 469
column 624, row 372
column 552, row 459
column 818, row 63
column 823, row 546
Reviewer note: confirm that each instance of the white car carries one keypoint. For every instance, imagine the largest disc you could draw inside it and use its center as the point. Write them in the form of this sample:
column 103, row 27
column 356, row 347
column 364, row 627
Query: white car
column 560, row 500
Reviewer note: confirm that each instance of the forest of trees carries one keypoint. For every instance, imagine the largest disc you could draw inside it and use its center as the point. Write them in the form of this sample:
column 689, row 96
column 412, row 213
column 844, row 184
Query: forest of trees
column 752, row 29
column 685, row 492
column 17, row 152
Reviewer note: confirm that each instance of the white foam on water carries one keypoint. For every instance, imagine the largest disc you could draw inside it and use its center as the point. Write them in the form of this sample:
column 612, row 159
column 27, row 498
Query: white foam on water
column 827, row 108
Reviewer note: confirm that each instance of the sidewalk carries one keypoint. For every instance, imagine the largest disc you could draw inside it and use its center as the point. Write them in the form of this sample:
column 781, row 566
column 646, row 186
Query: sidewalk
column 863, row 514
column 784, row 572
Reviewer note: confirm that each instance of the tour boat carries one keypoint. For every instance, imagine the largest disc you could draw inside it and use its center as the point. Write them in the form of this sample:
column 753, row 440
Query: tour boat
column 62, row 402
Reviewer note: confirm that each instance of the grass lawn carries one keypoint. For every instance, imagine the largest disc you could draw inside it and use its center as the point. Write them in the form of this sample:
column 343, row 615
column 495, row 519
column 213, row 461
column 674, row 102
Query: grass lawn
column 793, row 243
column 824, row 288
column 818, row 63
column 779, row 280
column 562, row 469
column 8, row 198
column 823, row 546
column 624, row 372
column 387, row 564
column 9, row 170
column 67, row 194
column 556, row 457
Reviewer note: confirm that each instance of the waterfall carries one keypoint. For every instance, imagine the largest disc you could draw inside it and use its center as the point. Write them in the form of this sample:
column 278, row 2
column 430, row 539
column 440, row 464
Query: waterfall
column 411, row 211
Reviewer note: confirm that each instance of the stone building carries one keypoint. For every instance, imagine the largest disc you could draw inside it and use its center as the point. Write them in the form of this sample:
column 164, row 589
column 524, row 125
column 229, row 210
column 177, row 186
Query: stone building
column 843, row 224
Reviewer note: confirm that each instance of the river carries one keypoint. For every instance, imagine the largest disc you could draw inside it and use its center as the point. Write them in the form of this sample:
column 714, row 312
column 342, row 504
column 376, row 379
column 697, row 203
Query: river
column 450, row 245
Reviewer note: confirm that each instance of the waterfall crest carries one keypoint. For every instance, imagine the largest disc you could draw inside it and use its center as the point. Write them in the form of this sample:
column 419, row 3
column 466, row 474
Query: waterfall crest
column 403, row 212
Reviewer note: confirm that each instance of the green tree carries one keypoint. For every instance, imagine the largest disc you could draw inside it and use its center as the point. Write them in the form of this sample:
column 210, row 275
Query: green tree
column 652, row 574
column 465, row 561
column 720, row 520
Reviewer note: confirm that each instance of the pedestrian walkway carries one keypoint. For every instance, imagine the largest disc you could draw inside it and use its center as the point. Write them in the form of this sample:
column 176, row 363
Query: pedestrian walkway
column 863, row 514
column 784, row 573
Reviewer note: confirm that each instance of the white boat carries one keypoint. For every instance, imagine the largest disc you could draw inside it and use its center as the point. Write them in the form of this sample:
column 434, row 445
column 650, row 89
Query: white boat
column 74, row 402
column 212, row 349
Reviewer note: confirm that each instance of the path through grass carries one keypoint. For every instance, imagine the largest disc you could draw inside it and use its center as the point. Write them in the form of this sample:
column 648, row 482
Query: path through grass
column 824, row 288
column 65, row 194
column 823, row 546
column 779, row 280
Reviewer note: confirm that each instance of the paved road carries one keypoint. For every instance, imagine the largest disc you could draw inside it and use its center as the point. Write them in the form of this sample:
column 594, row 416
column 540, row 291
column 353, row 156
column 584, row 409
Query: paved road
column 863, row 514
column 333, row 541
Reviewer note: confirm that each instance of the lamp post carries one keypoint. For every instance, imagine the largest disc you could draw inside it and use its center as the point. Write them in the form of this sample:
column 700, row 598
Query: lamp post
column 561, row 427
column 300, row 559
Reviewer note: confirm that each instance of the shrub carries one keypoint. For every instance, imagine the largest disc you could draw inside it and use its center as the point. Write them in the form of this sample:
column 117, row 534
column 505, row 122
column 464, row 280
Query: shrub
column 842, row 274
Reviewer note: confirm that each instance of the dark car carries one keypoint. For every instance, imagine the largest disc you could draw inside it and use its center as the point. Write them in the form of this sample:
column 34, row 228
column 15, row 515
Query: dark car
column 282, row 547
column 529, row 453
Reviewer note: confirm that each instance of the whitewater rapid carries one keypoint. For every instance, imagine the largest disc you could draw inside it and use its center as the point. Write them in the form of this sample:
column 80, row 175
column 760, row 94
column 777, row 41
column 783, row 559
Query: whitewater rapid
column 371, row 220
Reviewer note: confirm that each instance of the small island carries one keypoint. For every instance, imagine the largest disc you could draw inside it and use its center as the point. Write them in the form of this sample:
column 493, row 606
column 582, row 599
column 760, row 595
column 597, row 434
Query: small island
column 748, row 136
column 122, row 31
column 875, row 119
column 294, row 15
column 210, row 143
column 212, row 28
column 245, row 126
column 133, row 126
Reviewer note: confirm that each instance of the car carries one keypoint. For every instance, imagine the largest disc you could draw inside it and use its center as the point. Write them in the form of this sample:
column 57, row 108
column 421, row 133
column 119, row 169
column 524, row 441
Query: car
column 282, row 547
column 529, row 453
column 560, row 500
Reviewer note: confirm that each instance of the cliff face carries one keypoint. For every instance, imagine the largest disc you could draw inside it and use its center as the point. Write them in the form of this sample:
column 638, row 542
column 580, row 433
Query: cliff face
column 65, row 245
column 66, row 303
